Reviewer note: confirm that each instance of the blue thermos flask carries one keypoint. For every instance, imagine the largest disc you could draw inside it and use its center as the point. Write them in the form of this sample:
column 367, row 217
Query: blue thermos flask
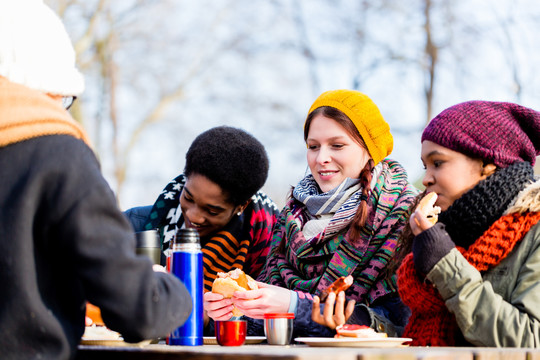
column 187, row 265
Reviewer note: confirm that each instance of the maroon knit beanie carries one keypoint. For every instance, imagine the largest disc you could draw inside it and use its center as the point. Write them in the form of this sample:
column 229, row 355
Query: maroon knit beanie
column 497, row 132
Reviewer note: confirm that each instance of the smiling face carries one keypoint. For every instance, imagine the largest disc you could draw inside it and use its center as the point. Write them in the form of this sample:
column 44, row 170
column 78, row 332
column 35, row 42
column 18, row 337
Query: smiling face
column 333, row 154
column 450, row 174
column 204, row 205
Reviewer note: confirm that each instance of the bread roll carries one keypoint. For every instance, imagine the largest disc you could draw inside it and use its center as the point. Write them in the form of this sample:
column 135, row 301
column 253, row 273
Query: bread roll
column 341, row 284
column 235, row 280
column 428, row 208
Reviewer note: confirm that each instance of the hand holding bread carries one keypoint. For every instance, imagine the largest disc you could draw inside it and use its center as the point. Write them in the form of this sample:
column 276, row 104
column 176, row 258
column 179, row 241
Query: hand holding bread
column 335, row 311
column 341, row 284
column 426, row 214
column 229, row 297
column 236, row 280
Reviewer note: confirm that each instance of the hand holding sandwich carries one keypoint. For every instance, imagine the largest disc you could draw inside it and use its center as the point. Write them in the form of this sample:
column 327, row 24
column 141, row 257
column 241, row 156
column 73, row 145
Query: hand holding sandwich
column 431, row 242
column 335, row 312
column 425, row 215
column 266, row 299
column 251, row 303
column 235, row 294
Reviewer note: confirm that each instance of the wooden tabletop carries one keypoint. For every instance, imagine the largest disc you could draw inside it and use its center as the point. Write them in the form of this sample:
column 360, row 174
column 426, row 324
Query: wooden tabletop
column 267, row 352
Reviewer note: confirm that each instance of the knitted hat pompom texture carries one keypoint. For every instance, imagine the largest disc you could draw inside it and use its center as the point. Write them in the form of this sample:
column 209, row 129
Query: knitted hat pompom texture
column 35, row 49
column 365, row 115
column 501, row 133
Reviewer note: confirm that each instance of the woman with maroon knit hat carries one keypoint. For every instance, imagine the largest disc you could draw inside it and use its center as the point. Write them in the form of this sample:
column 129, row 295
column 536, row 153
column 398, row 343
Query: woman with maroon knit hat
column 473, row 278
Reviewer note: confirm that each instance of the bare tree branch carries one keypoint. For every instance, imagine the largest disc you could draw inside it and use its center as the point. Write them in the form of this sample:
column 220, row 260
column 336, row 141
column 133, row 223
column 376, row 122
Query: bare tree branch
column 431, row 54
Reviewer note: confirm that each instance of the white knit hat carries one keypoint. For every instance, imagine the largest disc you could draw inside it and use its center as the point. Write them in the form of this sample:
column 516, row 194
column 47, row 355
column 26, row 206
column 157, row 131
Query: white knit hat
column 35, row 49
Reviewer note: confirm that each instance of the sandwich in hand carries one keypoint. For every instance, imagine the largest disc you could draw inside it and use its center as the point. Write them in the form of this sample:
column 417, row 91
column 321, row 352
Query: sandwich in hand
column 341, row 284
column 428, row 208
column 236, row 280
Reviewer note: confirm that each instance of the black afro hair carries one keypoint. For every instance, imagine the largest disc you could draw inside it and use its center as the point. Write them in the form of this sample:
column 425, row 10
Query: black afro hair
column 231, row 158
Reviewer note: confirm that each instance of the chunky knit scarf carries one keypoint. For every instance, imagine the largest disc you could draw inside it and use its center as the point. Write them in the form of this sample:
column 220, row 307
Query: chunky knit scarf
column 485, row 203
column 431, row 323
column 243, row 243
column 310, row 265
column 26, row 113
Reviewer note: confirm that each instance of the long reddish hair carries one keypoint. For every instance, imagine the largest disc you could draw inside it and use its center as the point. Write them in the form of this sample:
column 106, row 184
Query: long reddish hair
column 365, row 175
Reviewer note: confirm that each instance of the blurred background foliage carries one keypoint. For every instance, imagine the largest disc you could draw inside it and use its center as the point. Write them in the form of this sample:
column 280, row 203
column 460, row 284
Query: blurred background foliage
column 160, row 72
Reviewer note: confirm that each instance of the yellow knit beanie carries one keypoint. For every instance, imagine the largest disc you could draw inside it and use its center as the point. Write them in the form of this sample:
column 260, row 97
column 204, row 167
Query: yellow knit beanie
column 365, row 115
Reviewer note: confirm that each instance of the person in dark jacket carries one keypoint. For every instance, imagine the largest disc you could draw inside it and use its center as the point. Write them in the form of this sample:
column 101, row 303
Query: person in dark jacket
column 63, row 239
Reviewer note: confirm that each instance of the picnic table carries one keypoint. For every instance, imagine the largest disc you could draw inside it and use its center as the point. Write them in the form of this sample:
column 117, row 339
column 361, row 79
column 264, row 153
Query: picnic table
column 266, row 352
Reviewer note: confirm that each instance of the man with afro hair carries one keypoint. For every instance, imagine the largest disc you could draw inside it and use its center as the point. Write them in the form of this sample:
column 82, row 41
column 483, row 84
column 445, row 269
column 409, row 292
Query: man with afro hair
column 218, row 194
column 231, row 158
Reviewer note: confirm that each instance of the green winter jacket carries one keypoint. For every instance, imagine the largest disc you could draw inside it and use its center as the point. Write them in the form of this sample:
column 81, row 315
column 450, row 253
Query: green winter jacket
column 500, row 308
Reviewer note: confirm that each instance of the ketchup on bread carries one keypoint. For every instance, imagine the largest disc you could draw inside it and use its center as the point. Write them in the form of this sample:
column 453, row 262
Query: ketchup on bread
column 358, row 331
column 341, row 284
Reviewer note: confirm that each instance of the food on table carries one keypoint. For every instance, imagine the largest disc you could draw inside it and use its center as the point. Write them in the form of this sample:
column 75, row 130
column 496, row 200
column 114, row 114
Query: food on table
column 96, row 332
column 427, row 207
column 341, row 284
column 358, row 331
column 235, row 280
column 94, row 313
column 96, row 329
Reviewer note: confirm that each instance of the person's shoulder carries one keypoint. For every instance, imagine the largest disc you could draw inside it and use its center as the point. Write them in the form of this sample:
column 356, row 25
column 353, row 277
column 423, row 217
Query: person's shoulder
column 138, row 216
column 262, row 201
column 394, row 165
column 527, row 199
column 62, row 147
column 395, row 177
column 56, row 154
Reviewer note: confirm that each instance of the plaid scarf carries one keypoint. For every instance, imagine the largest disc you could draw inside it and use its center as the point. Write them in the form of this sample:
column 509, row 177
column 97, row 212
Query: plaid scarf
column 340, row 203
column 243, row 243
column 310, row 265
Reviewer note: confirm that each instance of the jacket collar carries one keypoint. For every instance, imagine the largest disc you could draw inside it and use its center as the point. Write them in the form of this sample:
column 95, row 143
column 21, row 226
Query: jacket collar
column 528, row 200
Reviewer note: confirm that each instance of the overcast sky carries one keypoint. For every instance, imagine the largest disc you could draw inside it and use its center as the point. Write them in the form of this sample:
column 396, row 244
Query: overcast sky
column 259, row 65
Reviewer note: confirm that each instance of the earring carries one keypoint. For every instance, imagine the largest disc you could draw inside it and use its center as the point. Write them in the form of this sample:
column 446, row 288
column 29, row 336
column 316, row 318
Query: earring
column 239, row 213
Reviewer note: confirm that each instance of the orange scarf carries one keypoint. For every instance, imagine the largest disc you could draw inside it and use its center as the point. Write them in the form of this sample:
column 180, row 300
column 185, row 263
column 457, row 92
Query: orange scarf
column 431, row 324
column 26, row 113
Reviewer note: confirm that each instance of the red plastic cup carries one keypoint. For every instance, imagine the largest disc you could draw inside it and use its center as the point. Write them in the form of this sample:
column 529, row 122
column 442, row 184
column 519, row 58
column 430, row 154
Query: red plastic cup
column 231, row 333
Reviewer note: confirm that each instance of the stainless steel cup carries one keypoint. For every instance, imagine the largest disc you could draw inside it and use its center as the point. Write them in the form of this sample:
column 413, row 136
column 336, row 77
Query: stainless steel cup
column 148, row 244
column 278, row 328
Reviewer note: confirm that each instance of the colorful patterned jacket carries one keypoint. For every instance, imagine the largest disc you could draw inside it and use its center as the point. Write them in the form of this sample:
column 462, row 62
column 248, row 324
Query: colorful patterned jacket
column 308, row 267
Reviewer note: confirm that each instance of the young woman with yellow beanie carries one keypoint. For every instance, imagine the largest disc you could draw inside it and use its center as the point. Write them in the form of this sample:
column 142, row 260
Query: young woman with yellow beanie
column 343, row 218
column 473, row 278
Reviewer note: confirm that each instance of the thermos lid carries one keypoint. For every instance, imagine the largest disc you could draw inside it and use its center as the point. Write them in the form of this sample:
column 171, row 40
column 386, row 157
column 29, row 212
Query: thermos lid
column 187, row 236
column 147, row 239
